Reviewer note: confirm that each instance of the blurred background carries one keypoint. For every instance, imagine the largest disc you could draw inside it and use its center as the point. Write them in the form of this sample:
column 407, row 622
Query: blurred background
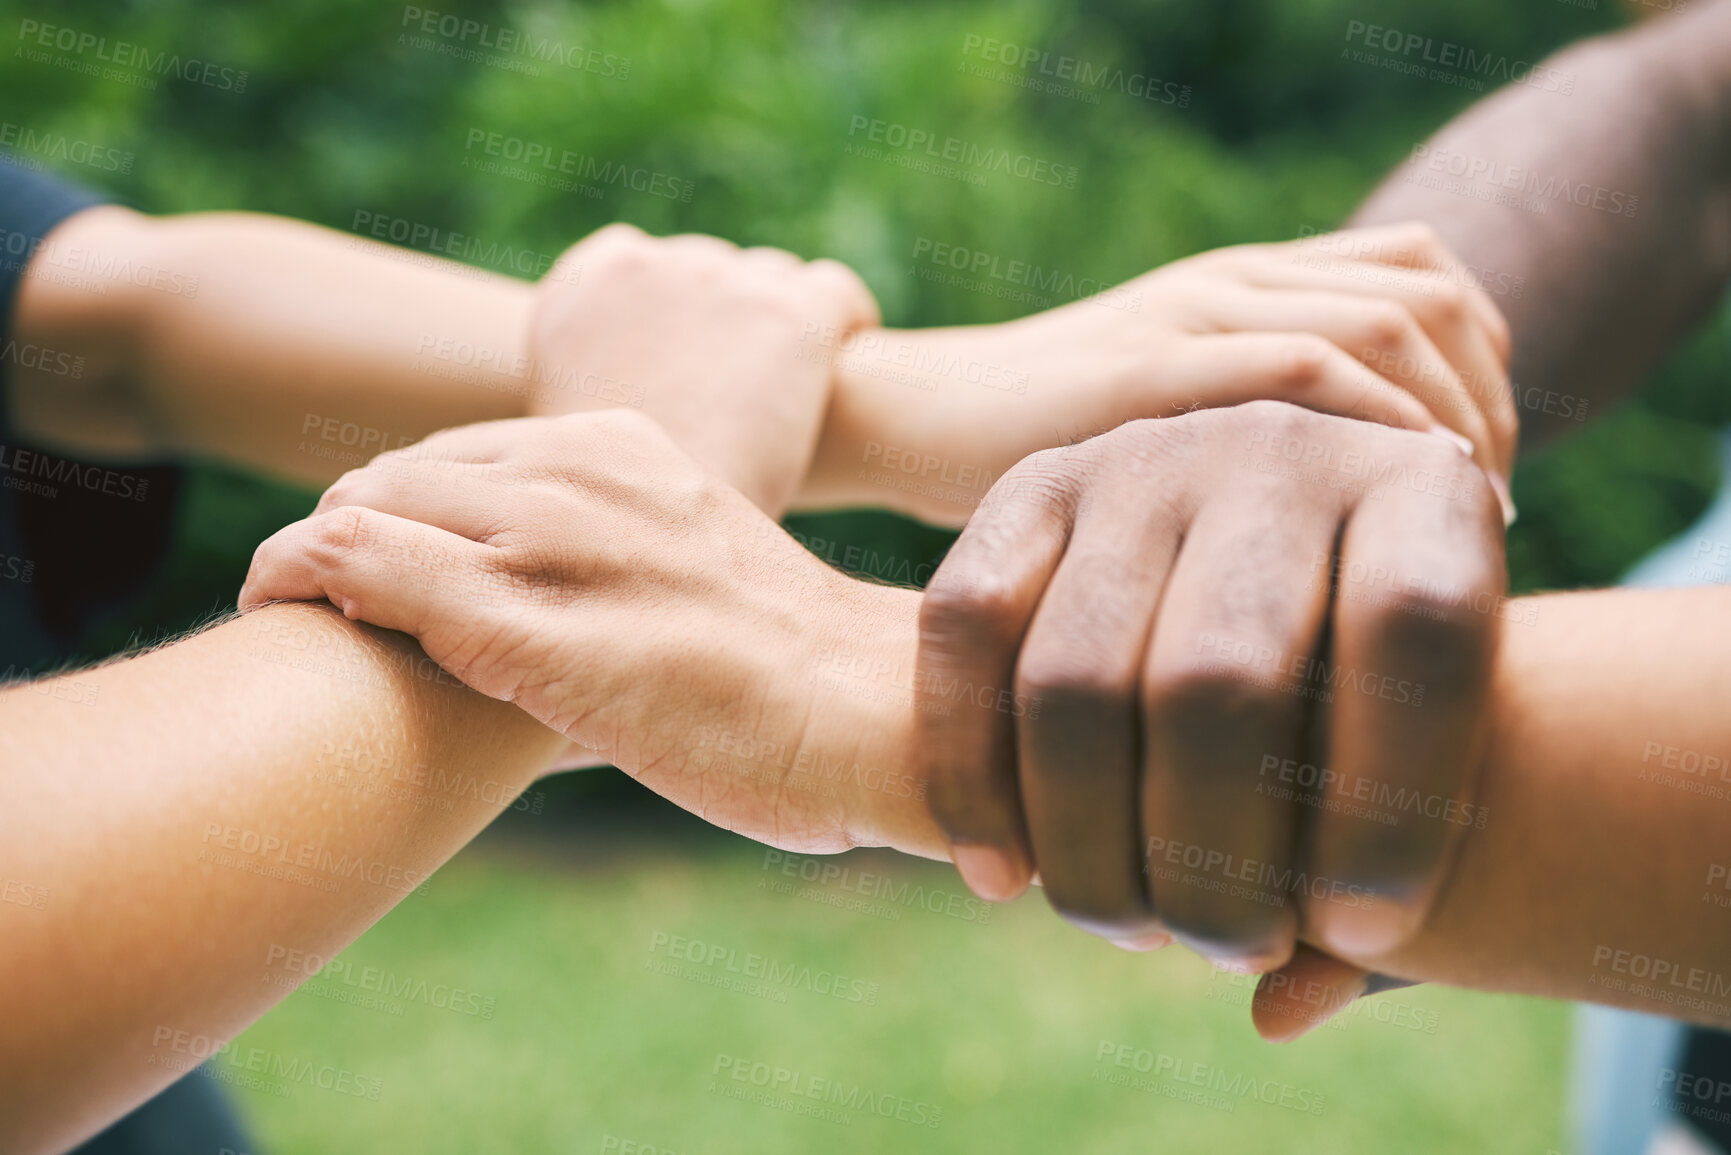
column 573, row 921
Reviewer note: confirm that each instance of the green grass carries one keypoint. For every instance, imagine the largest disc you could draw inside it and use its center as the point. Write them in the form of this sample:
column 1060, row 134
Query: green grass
column 999, row 1024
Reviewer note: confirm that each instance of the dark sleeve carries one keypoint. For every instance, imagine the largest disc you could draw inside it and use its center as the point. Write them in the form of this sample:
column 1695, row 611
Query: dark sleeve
column 75, row 538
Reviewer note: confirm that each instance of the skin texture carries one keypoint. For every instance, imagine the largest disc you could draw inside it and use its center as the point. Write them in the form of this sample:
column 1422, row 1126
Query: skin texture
column 137, row 807
column 1381, row 324
column 288, row 333
column 1587, row 693
column 1596, row 293
column 1163, row 601
column 700, row 326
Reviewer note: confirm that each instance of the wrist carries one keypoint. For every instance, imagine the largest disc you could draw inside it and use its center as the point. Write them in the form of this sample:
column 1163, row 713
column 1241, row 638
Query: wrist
column 859, row 672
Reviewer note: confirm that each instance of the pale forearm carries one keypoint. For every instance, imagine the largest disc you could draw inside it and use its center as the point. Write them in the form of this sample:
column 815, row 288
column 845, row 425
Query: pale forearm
column 276, row 783
column 1599, row 217
column 265, row 342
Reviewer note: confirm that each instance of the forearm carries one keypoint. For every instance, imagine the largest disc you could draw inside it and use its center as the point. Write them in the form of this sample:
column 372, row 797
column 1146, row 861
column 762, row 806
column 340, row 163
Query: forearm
column 1599, row 218
column 1606, row 797
column 904, row 432
column 276, row 783
column 1606, row 827
column 261, row 341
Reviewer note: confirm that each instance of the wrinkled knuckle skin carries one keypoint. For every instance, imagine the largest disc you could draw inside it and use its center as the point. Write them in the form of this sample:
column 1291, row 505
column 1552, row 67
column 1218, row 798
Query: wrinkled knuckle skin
column 968, row 609
column 343, row 533
column 1284, row 419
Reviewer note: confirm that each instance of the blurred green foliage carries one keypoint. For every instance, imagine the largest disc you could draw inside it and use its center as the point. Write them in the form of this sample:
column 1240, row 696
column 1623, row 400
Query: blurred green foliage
column 751, row 101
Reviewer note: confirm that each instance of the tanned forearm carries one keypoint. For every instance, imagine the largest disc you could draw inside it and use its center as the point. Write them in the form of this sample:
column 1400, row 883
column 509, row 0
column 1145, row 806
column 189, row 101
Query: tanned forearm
column 172, row 825
column 1602, row 869
column 1599, row 218
column 264, row 342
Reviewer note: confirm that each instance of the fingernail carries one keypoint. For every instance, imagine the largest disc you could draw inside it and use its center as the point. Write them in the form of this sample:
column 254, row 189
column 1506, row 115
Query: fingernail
column 1148, row 942
column 1500, row 487
column 1318, row 1007
column 988, row 871
column 1453, row 438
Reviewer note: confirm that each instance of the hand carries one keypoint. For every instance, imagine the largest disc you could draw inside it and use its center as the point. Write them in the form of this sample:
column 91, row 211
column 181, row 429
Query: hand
column 1381, row 324
column 585, row 569
column 1232, row 647
column 706, row 338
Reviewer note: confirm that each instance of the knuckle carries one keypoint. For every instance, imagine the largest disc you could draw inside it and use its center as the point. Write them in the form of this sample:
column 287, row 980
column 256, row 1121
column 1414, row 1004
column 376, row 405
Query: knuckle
column 1071, row 677
column 1449, row 302
column 1303, row 361
column 1387, row 323
column 965, row 608
column 1212, row 703
column 344, row 532
column 1278, row 417
column 1425, row 241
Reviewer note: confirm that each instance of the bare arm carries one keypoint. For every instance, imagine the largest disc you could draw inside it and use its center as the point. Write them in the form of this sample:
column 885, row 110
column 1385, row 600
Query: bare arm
column 798, row 722
column 167, row 822
column 1599, row 218
column 261, row 341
